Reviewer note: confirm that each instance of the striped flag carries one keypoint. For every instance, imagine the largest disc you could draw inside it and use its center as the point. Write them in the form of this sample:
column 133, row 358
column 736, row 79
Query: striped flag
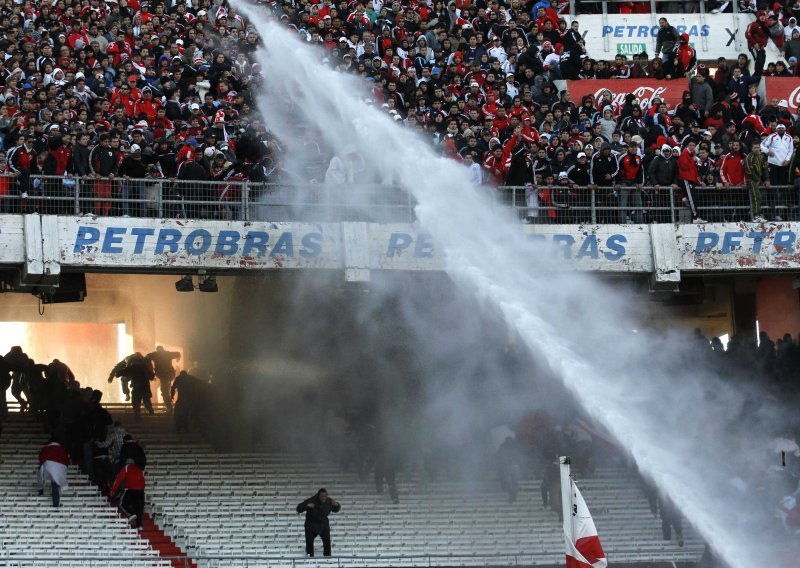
column 584, row 549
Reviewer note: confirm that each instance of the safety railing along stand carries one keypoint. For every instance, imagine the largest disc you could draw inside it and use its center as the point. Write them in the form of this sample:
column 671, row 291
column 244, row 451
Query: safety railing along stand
column 248, row 201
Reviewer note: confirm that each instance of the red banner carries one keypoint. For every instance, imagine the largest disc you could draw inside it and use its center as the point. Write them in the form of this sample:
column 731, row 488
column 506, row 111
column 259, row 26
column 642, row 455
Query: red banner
column 784, row 88
column 645, row 90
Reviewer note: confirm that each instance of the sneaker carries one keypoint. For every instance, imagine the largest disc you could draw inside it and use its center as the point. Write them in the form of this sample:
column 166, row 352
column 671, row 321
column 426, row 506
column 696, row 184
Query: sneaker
column 132, row 520
column 699, row 221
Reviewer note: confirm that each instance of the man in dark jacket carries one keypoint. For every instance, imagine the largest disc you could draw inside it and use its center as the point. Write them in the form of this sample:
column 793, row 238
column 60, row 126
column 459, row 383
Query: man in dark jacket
column 580, row 178
column 603, row 171
column 133, row 170
column 162, row 363
column 666, row 40
column 317, row 509
column 662, row 174
column 103, row 164
column 131, row 450
column 189, row 172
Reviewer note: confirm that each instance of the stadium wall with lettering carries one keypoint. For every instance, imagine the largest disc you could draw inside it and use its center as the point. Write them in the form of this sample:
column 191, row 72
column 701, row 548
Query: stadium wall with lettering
column 142, row 243
column 739, row 246
column 716, row 35
column 45, row 244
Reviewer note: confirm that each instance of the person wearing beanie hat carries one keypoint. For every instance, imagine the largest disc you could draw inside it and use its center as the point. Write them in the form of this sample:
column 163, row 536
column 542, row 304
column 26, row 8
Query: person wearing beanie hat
column 132, row 169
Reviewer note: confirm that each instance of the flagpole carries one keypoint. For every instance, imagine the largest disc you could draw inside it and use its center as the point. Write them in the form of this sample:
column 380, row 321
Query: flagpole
column 566, row 497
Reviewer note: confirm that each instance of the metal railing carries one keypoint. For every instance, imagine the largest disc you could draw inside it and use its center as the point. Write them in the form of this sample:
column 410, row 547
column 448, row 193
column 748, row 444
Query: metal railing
column 224, row 199
column 624, row 204
column 249, row 201
column 243, row 561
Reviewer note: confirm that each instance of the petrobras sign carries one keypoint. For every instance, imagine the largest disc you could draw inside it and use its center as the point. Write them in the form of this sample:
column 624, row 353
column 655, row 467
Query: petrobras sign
column 155, row 245
column 739, row 246
column 717, row 35
column 150, row 243
column 607, row 248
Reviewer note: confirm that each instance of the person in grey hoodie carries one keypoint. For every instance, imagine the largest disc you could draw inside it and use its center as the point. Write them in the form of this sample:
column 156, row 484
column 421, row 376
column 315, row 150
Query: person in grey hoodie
column 792, row 47
column 702, row 93
column 608, row 124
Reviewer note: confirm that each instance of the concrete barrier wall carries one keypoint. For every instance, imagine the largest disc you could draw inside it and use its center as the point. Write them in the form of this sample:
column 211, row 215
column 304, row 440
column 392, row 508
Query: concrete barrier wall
column 47, row 244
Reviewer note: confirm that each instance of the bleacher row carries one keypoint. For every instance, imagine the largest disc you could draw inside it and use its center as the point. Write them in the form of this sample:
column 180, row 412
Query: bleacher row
column 238, row 510
column 33, row 533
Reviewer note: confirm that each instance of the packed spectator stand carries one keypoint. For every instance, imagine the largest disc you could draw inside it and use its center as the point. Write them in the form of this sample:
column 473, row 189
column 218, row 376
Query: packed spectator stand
column 148, row 109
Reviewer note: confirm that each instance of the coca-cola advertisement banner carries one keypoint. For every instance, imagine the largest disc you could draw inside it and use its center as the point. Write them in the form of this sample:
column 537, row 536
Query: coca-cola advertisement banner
column 645, row 90
column 784, row 88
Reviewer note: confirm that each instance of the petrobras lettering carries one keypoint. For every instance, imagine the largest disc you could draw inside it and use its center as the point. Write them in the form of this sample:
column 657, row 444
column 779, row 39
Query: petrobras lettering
column 252, row 244
column 571, row 245
column 744, row 246
column 718, row 35
column 645, row 31
column 145, row 242
column 752, row 240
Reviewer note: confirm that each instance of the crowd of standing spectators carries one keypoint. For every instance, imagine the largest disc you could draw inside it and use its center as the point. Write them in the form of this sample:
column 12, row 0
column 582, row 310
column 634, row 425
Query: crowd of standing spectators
column 147, row 101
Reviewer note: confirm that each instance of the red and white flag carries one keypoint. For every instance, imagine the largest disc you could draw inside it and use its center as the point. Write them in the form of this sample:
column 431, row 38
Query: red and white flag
column 583, row 549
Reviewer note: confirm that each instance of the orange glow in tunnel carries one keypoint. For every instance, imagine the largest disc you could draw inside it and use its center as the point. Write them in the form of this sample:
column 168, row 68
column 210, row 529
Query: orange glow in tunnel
column 90, row 349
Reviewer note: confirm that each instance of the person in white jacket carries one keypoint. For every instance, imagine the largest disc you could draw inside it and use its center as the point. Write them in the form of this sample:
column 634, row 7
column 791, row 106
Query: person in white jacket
column 341, row 168
column 778, row 147
column 789, row 28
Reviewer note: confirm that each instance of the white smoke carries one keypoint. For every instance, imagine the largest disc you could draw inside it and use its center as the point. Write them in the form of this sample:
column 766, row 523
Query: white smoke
column 672, row 418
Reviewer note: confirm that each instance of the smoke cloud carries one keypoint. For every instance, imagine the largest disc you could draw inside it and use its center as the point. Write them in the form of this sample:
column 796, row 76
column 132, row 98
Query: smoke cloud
column 510, row 329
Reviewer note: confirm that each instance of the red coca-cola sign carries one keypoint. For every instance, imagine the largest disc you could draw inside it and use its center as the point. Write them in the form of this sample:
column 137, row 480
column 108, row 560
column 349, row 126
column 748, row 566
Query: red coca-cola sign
column 645, row 90
column 781, row 88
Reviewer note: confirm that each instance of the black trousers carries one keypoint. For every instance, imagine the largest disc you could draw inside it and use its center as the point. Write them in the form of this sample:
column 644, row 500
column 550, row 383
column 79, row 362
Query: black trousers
column 141, row 397
column 56, row 493
column 324, row 533
column 133, row 504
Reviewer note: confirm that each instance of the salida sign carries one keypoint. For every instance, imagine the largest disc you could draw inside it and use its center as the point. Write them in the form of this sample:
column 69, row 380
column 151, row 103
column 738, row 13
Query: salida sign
column 645, row 90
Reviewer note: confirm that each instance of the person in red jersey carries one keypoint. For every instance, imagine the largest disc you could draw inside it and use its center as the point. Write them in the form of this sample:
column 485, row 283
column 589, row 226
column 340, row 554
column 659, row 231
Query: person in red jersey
column 130, row 486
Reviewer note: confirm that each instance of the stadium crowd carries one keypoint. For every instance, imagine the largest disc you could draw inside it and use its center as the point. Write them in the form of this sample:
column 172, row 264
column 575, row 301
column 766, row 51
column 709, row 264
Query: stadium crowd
column 142, row 97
